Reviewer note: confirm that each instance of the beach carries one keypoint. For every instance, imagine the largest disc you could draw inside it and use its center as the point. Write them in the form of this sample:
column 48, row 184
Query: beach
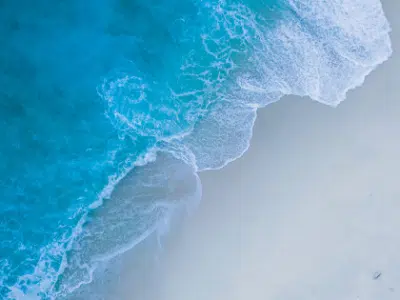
column 167, row 150
column 310, row 211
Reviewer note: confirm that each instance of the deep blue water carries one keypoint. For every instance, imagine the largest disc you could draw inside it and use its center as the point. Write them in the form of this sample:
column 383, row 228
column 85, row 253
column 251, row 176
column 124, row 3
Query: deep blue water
column 91, row 90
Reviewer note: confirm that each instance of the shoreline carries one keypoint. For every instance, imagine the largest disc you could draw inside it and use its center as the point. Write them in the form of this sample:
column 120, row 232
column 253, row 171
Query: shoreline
column 308, row 212
column 311, row 208
column 130, row 237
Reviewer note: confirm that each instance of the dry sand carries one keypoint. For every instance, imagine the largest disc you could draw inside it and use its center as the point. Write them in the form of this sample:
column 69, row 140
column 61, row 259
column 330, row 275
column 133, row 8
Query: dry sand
column 311, row 211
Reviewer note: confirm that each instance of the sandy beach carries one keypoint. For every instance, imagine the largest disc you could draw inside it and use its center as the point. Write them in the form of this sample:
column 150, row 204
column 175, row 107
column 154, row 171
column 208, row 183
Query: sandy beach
column 311, row 211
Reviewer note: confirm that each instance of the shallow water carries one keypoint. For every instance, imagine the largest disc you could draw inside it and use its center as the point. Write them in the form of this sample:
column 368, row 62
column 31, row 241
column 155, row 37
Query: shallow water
column 91, row 91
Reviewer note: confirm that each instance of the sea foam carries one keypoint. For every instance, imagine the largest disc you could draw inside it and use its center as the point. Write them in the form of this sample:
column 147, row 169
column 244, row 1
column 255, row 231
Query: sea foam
column 199, row 111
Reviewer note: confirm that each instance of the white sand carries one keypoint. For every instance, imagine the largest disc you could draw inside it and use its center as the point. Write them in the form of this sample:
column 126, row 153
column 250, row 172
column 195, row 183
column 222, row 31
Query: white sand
column 311, row 211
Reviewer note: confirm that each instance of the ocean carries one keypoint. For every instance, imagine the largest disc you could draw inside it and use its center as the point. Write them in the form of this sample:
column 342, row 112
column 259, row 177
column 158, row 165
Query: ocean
column 110, row 108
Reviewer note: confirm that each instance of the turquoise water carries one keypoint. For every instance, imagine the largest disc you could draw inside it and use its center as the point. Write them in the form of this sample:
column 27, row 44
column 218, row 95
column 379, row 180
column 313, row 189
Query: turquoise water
column 109, row 107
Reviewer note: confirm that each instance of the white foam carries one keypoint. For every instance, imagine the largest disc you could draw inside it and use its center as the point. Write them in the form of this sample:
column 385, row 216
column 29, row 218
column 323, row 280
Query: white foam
column 321, row 49
column 327, row 48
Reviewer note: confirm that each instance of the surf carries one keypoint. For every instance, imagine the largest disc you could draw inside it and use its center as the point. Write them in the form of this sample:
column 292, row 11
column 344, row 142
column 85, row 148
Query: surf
column 143, row 96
